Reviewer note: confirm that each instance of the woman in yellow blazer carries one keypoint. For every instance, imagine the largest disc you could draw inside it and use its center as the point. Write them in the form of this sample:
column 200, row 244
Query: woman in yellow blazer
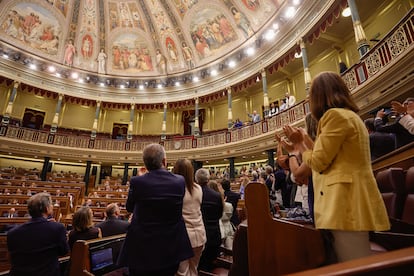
column 347, row 199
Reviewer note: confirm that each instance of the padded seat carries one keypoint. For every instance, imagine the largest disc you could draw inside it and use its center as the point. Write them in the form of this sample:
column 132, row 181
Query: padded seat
column 408, row 211
column 391, row 185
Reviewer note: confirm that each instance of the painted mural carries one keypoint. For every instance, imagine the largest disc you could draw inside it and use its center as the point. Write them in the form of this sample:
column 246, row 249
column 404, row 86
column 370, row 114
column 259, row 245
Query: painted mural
column 210, row 31
column 183, row 6
column 131, row 54
column 125, row 14
column 61, row 5
column 34, row 26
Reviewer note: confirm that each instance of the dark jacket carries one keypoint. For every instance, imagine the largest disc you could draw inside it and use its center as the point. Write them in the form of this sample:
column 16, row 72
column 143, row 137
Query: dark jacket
column 233, row 198
column 157, row 237
column 113, row 226
column 35, row 247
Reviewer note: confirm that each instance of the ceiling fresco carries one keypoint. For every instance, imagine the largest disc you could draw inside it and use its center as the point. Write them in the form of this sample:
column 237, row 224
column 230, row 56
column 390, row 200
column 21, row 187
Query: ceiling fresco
column 133, row 37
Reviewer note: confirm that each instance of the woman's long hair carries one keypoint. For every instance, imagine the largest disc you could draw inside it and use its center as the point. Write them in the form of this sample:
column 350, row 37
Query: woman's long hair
column 185, row 168
column 328, row 90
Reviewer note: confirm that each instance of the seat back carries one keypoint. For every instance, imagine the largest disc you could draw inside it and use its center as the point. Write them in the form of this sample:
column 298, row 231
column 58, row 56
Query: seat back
column 408, row 211
column 391, row 185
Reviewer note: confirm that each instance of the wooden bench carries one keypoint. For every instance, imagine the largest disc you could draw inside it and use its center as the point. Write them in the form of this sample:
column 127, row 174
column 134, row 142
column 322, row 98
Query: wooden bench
column 64, row 201
column 398, row 262
column 81, row 263
column 22, row 211
column 277, row 247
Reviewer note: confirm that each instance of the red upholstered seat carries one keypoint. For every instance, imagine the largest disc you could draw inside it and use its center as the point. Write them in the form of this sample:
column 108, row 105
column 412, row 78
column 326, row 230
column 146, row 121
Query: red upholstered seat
column 391, row 185
column 408, row 211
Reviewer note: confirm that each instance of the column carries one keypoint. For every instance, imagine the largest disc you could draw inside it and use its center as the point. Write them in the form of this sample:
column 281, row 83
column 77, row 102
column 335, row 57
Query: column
column 95, row 121
column 271, row 158
column 230, row 112
column 196, row 122
column 232, row 171
column 306, row 72
column 164, row 123
column 46, row 163
column 131, row 123
column 6, row 117
column 86, row 177
column 55, row 120
column 360, row 38
column 265, row 97
column 125, row 176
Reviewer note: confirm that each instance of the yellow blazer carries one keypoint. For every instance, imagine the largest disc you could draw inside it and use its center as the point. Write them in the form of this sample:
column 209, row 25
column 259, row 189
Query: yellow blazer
column 346, row 192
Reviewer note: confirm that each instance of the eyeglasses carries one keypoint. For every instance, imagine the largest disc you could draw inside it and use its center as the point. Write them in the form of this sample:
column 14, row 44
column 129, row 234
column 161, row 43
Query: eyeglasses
column 408, row 102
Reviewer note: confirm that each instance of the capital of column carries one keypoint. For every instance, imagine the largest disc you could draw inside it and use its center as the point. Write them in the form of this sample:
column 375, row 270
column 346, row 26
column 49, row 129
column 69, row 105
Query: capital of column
column 263, row 73
column 16, row 84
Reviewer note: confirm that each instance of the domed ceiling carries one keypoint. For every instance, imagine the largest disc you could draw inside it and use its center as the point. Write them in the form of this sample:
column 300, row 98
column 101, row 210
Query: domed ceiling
column 149, row 43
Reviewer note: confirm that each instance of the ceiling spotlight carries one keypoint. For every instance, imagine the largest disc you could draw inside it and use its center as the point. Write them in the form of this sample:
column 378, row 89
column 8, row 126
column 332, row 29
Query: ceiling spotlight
column 159, row 85
column 290, row 12
column 257, row 79
column 346, row 12
column 213, row 72
column 58, row 74
column 275, row 26
column 102, row 84
column 5, row 55
column 250, row 51
column 296, row 2
column 195, row 79
column 177, row 83
column 232, row 64
column 32, row 66
column 122, row 86
column 74, row 75
column 269, row 35
column 298, row 55
column 141, row 86
column 81, row 80
column 51, row 69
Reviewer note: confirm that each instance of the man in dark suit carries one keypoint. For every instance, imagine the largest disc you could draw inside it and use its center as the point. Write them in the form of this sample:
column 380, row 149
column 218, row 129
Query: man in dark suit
column 380, row 143
column 402, row 136
column 233, row 198
column 157, row 239
column 11, row 213
column 35, row 246
column 212, row 210
column 113, row 225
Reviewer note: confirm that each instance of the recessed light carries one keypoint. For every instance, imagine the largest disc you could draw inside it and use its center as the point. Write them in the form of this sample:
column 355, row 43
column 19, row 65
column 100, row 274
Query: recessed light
column 346, row 12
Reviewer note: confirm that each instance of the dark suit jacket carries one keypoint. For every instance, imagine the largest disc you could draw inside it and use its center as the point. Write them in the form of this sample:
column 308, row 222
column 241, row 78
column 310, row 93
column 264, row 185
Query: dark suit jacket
column 157, row 237
column 233, row 198
column 212, row 210
column 35, row 247
column 113, row 226
column 381, row 143
column 402, row 135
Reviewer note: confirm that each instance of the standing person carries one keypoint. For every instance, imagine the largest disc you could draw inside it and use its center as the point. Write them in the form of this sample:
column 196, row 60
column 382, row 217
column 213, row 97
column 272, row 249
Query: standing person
column 35, row 246
column 192, row 217
column 347, row 200
column 83, row 228
column 212, row 210
column 113, row 225
column 254, row 117
column 290, row 100
column 233, row 198
column 157, row 240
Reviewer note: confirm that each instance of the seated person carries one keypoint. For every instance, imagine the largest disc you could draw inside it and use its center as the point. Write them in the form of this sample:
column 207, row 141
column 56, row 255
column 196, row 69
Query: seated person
column 83, row 228
column 238, row 123
column 402, row 135
column 35, row 246
column 407, row 111
column 113, row 225
column 380, row 142
column 11, row 213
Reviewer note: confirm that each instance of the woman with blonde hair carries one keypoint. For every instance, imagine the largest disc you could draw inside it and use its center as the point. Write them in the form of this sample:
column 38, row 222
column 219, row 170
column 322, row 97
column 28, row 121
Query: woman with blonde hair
column 83, row 226
column 347, row 201
column 192, row 217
